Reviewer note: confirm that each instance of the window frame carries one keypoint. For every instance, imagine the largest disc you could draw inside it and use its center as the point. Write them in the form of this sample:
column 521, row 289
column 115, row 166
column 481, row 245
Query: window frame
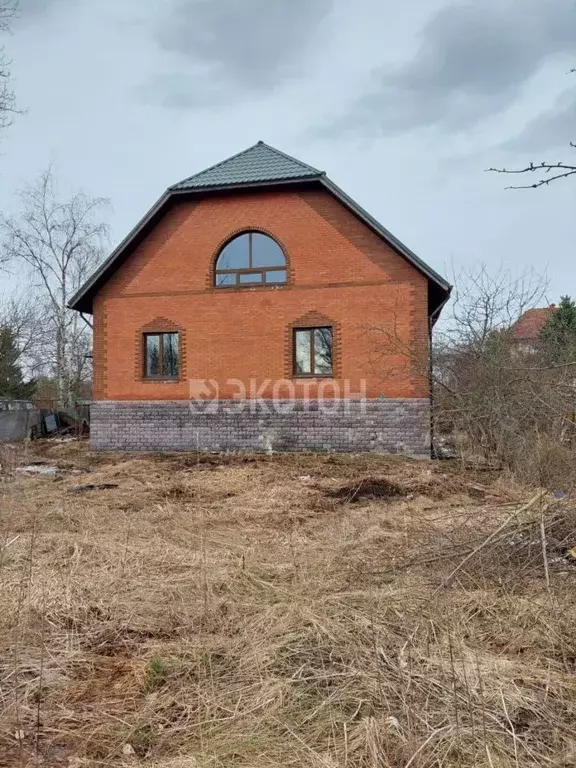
column 311, row 330
column 250, row 269
column 161, row 376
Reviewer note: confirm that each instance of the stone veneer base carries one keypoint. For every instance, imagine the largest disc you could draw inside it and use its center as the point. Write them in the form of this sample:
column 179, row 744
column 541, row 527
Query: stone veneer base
column 354, row 426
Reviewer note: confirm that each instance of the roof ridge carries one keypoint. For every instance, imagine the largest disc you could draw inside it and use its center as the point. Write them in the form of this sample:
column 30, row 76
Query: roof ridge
column 289, row 157
column 307, row 170
column 216, row 165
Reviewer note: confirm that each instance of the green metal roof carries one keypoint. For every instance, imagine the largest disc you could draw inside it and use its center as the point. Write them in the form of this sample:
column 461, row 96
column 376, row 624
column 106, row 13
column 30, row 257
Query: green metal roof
column 258, row 164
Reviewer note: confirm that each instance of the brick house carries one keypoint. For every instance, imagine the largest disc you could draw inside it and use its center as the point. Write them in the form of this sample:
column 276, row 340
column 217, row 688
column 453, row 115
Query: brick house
column 237, row 315
column 526, row 330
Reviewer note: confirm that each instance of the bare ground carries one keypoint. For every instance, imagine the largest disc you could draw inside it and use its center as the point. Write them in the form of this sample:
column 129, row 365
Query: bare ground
column 299, row 610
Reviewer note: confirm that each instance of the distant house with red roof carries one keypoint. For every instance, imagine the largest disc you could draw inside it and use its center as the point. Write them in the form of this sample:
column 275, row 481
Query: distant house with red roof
column 526, row 330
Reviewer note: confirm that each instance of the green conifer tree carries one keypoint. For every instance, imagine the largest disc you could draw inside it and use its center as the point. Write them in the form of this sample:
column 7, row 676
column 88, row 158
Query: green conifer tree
column 12, row 383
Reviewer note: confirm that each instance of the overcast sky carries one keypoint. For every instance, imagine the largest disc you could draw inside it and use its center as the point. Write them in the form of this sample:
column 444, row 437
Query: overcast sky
column 404, row 106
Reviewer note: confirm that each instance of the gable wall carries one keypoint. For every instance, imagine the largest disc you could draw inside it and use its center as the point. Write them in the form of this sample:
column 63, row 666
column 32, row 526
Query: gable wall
column 339, row 270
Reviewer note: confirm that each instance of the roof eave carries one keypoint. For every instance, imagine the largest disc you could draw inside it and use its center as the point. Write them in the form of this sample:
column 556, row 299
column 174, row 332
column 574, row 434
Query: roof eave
column 436, row 312
column 399, row 246
column 77, row 301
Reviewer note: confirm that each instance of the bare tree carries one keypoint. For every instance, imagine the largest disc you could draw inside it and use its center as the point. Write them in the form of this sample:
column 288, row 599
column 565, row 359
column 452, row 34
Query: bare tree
column 60, row 242
column 80, row 354
column 501, row 397
column 495, row 396
column 548, row 172
column 7, row 98
column 483, row 302
column 485, row 392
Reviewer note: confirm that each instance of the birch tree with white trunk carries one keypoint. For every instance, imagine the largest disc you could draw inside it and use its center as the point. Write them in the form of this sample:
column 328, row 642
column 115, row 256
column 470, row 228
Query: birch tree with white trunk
column 59, row 242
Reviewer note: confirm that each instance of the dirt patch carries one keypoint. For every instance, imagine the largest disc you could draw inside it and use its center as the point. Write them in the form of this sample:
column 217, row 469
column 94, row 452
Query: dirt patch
column 367, row 488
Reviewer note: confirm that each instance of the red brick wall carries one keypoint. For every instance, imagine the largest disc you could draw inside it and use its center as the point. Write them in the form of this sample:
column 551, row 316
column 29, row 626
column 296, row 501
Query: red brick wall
column 338, row 269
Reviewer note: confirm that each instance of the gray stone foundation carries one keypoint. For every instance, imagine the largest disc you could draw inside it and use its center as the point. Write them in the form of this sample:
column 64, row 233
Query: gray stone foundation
column 355, row 426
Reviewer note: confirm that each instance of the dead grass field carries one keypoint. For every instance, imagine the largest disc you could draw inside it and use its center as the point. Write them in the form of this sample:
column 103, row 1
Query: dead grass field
column 282, row 611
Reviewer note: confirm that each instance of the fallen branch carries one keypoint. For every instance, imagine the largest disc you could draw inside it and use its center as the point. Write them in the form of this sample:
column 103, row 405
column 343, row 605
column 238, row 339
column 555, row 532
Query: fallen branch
column 450, row 578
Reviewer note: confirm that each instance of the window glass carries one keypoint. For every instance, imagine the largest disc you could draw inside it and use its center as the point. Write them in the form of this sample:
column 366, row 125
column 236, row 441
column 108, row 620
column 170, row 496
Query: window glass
column 152, row 355
column 248, row 251
column 303, row 350
column 251, row 277
column 313, row 351
column 162, row 355
column 266, row 252
column 170, row 356
column 236, row 255
column 226, row 278
column 323, row 351
column 277, row 276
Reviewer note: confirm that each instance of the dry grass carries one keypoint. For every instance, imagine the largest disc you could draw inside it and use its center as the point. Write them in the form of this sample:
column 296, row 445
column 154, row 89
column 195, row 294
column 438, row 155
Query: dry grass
column 282, row 611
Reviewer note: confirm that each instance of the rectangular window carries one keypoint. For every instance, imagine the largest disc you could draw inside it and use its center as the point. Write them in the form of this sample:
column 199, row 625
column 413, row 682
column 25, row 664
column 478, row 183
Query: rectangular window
column 313, row 351
column 161, row 356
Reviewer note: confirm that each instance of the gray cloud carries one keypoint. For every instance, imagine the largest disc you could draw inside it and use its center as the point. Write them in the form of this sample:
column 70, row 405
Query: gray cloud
column 26, row 7
column 31, row 8
column 472, row 64
column 180, row 90
column 556, row 128
column 234, row 45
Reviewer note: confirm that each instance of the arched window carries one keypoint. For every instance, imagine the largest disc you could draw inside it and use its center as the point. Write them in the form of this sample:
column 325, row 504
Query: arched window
column 250, row 259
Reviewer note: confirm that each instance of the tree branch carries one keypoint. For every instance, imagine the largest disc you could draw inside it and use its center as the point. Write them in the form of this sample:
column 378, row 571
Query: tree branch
column 567, row 170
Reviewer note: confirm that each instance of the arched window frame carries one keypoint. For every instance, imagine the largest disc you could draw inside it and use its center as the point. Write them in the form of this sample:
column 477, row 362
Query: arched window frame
column 243, row 274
